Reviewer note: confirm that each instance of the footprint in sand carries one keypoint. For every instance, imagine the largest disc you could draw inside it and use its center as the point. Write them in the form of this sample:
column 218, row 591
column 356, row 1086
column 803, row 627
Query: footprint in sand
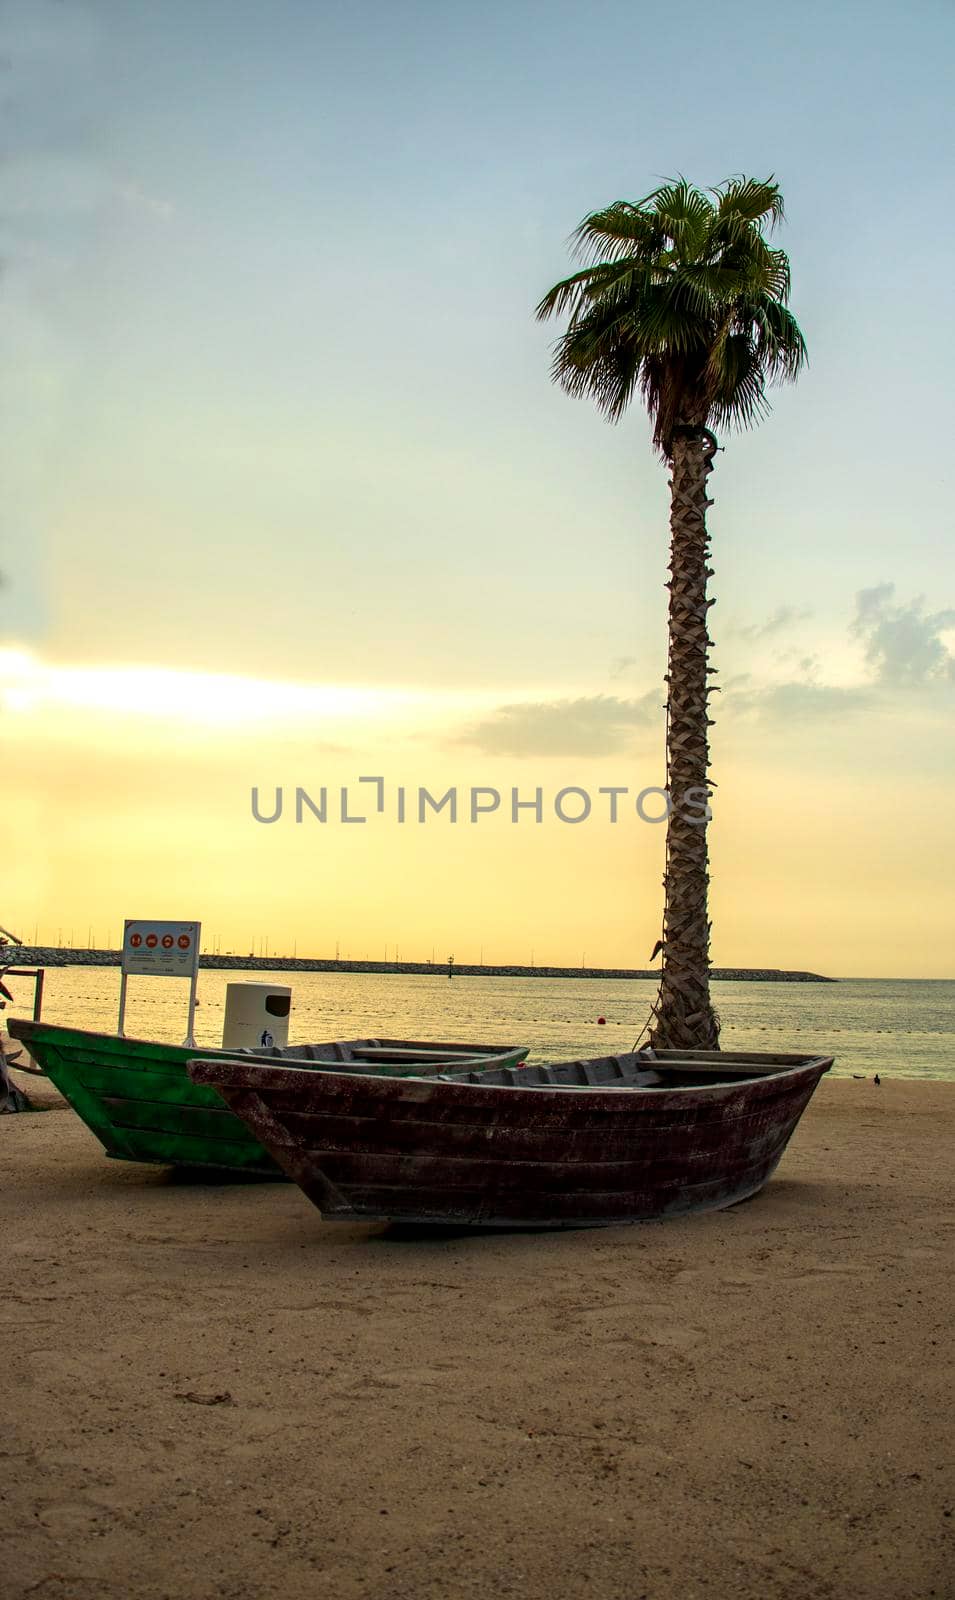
column 66, row 1518
column 637, row 1322
column 774, row 1277
column 431, row 1375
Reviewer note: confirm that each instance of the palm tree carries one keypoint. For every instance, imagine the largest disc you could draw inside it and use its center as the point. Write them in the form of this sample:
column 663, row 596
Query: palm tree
column 682, row 297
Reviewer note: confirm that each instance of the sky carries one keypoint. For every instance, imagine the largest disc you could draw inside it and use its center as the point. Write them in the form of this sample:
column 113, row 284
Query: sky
column 291, row 500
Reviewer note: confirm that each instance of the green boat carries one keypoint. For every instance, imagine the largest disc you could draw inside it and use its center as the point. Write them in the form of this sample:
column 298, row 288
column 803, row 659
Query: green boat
column 137, row 1098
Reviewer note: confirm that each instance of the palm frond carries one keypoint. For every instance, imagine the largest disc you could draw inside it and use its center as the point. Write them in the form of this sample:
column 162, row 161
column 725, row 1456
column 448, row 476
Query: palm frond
column 611, row 281
column 752, row 198
column 781, row 346
column 682, row 298
column 738, row 382
column 678, row 203
column 619, row 229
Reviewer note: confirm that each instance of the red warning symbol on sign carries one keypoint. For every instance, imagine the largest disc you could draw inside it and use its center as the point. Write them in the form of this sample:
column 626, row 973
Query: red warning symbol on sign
column 167, row 941
column 184, row 941
column 151, row 941
column 136, row 940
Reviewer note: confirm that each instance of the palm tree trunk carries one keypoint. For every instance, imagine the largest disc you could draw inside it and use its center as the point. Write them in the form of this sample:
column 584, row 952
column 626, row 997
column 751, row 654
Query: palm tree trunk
column 683, row 1015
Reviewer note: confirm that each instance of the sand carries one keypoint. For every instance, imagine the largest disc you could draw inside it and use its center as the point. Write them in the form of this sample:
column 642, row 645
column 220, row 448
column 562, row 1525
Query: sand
column 209, row 1392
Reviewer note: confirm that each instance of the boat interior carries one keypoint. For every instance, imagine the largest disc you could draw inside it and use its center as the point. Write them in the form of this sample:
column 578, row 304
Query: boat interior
column 644, row 1069
column 373, row 1052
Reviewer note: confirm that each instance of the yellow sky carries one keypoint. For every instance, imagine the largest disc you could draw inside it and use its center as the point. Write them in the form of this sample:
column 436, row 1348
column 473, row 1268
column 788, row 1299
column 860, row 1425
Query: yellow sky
column 132, row 797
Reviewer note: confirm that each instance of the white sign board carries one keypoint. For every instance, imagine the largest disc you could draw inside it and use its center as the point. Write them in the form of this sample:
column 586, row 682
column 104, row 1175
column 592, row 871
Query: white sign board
column 165, row 949
column 160, row 950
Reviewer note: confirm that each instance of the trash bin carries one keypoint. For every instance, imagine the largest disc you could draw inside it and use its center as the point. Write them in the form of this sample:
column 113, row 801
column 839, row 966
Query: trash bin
column 256, row 1015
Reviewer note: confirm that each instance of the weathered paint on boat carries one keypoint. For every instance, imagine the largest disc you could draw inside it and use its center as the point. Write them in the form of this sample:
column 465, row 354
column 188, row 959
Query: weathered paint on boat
column 137, row 1098
column 619, row 1139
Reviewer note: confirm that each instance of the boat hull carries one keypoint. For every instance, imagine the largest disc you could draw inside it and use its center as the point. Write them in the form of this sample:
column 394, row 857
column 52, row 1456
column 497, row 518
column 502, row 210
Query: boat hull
column 136, row 1096
column 493, row 1155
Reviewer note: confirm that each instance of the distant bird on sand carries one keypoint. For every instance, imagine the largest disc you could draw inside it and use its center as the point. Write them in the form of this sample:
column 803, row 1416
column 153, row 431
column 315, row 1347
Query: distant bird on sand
column 877, row 1079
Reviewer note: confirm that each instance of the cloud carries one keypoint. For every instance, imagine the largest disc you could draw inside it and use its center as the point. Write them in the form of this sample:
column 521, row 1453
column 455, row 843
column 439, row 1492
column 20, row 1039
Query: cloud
column 904, row 647
column 133, row 195
column 904, row 644
column 801, row 701
column 597, row 725
column 782, row 617
column 66, row 186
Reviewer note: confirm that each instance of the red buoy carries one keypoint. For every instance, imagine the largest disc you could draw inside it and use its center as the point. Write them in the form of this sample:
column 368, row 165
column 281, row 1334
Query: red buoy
column 601, row 1020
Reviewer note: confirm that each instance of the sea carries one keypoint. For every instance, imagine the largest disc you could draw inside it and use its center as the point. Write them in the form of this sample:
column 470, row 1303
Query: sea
column 900, row 1027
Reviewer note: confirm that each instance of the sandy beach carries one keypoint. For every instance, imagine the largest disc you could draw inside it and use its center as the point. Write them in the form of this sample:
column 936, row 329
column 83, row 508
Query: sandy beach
column 209, row 1392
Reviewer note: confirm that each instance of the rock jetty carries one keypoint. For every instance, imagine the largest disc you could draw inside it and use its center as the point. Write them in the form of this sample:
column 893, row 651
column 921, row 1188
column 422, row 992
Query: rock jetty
column 47, row 956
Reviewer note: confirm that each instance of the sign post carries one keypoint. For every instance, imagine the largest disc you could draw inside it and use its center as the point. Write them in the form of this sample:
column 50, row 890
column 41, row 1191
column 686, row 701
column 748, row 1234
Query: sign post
column 163, row 950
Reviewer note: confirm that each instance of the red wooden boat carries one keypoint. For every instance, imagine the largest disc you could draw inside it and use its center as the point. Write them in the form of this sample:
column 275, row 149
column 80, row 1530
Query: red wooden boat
column 621, row 1139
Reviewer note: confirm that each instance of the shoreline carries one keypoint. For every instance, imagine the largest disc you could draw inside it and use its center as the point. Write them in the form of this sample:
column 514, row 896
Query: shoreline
column 55, row 956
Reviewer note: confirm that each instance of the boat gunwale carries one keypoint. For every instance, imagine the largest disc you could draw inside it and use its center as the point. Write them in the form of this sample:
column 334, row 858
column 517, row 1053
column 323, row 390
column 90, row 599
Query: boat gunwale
column 396, row 1088
column 26, row 1029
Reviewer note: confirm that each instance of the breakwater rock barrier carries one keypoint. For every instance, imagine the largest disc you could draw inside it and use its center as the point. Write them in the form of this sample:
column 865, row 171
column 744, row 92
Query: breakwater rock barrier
column 51, row 956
